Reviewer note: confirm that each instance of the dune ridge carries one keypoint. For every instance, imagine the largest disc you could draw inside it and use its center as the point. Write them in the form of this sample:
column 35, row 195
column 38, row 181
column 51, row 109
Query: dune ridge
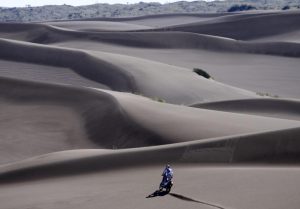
column 46, row 34
column 277, row 108
column 257, row 26
column 157, row 16
column 79, row 61
column 97, row 26
column 124, row 73
column 136, row 121
column 98, row 110
column 274, row 147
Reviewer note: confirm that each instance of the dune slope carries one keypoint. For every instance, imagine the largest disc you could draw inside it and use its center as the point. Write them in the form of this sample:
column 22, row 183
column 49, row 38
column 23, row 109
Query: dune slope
column 92, row 114
column 124, row 73
column 246, row 28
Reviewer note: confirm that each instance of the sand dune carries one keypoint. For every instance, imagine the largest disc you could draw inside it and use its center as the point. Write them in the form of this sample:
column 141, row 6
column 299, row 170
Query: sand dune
column 160, row 20
column 46, row 34
column 45, row 73
column 97, row 25
column 87, row 118
column 237, row 149
column 171, row 120
column 277, row 108
column 91, row 114
column 292, row 37
column 91, row 110
column 74, row 59
column 123, row 73
column 171, row 19
column 249, row 28
column 275, row 75
column 252, row 184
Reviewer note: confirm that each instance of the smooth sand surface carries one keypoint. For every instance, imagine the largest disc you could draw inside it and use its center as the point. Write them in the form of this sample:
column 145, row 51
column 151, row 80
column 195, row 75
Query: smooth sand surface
column 97, row 25
column 255, row 72
column 277, row 108
column 91, row 111
column 225, row 187
column 45, row 73
column 246, row 27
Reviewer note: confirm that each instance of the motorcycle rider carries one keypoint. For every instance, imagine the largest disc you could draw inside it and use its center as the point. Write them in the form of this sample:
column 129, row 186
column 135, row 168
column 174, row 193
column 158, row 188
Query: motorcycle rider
column 167, row 177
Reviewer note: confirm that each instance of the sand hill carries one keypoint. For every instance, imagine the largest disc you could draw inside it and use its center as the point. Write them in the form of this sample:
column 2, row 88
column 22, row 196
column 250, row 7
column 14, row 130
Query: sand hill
column 92, row 110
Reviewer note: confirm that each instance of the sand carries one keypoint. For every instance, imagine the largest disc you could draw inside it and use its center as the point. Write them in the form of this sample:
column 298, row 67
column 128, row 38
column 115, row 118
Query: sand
column 91, row 111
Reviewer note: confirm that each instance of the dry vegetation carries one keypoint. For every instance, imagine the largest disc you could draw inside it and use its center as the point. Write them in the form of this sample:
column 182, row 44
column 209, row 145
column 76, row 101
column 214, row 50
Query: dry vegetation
column 66, row 12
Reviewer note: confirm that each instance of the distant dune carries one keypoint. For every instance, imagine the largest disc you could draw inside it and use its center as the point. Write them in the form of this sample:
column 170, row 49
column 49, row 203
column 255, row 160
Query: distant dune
column 91, row 110
column 246, row 27
column 277, row 108
column 112, row 71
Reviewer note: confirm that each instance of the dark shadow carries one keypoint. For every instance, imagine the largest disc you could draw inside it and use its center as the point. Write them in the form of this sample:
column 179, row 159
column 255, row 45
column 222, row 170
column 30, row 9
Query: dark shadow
column 157, row 193
column 181, row 197
column 202, row 73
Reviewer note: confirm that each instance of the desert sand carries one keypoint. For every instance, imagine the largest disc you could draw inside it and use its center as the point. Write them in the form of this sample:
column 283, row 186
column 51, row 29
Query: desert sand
column 92, row 110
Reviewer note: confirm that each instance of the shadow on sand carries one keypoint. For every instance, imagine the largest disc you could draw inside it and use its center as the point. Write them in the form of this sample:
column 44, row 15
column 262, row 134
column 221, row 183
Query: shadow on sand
column 157, row 193
column 181, row 197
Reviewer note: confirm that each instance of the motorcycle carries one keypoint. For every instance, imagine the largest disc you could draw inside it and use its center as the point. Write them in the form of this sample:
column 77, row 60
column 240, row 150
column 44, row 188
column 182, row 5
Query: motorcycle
column 167, row 185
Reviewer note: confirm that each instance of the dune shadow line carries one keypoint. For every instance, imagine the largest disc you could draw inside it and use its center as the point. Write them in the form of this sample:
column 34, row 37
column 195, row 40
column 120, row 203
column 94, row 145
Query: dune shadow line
column 181, row 197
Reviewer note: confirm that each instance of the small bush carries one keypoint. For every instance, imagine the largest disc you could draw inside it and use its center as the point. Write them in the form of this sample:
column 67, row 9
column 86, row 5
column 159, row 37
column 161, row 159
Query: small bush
column 159, row 100
column 286, row 7
column 202, row 73
column 243, row 7
column 267, row 95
